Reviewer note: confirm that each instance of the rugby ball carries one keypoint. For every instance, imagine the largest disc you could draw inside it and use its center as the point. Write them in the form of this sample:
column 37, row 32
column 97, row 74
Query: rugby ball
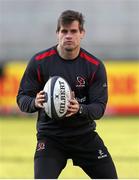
column 57, row 94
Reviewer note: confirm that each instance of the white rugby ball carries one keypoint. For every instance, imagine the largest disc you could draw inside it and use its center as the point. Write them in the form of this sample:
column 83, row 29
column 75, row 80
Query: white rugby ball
column 58, row 93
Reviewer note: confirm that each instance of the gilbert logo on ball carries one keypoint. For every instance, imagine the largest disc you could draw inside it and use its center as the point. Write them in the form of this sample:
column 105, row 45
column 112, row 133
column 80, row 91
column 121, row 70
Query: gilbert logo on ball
column 58, row 93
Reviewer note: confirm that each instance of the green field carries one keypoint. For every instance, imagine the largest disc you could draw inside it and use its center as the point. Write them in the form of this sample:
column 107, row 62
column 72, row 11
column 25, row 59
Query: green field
column 18, row 139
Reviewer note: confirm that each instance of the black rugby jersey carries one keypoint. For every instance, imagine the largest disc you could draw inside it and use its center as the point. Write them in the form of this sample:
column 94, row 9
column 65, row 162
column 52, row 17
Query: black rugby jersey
column 87, row 77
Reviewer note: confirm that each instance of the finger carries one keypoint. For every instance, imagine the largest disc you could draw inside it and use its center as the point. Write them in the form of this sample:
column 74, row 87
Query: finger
column 72, row 95
column 41, row 101
column 40, row 105
column 74, row 111
column 69, row 114
column 41, row 97
column 73, row 102
column 72, row 108
column 42, row 92
column 73, row 105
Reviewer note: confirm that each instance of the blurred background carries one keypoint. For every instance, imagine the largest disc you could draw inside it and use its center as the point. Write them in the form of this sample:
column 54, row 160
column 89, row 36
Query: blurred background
column 112, row 35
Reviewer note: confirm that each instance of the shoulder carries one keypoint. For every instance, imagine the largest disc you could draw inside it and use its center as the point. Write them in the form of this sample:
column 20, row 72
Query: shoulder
column 45, row 54
column 90, row 58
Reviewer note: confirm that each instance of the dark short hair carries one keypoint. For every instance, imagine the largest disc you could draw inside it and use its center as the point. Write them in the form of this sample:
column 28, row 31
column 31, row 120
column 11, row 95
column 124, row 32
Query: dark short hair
column 68, row 16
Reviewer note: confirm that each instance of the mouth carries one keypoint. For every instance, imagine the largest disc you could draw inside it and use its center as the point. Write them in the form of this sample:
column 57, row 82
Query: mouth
column 68, row 42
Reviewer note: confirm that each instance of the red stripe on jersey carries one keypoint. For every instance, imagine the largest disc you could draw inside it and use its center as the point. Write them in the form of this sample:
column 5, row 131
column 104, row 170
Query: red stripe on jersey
column 92, row 78
column 45, row 54
column 39, row 74
column 88, row 58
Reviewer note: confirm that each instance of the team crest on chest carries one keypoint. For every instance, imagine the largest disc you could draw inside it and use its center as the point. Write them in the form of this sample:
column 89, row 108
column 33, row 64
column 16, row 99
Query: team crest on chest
column 80, row 81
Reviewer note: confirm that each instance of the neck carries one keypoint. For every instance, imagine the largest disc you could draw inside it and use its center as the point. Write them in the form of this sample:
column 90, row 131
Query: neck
column 65, row 54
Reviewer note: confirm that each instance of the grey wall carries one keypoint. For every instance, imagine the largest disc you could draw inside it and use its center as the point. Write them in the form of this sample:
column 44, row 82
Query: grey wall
column 28, row 26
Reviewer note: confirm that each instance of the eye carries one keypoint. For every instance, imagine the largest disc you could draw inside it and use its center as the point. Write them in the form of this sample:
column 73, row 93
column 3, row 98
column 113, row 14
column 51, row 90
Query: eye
column 64, row 31
column 73, row 31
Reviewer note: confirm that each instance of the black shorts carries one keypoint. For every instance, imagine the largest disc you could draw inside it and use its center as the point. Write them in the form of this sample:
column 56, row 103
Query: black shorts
column 87, row 151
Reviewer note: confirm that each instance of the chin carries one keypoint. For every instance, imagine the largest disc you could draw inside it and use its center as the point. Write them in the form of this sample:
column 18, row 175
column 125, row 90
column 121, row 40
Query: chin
column 69, row 49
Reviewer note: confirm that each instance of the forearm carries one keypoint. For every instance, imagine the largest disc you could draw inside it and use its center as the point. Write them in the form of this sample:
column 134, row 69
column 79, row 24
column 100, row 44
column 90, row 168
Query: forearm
column 98, row 96
column 26, row 103
column 92, row 111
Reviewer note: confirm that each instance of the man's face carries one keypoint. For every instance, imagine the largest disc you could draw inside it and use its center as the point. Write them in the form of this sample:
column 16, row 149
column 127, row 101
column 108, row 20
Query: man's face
column 69, row 36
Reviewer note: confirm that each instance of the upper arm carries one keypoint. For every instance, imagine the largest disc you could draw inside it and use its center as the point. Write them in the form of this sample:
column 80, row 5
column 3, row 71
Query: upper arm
column 30, row 83
column 98, row 90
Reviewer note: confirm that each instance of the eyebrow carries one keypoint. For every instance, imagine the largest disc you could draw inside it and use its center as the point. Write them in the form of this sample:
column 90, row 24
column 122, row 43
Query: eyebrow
column 71, row 30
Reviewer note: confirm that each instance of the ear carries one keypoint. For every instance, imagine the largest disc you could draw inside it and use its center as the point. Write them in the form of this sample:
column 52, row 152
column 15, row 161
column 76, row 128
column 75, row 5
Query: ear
column 82, row 34
column 57, row 34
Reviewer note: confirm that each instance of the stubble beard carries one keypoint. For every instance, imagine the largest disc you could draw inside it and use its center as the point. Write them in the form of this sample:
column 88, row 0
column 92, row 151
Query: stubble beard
column 70, row 49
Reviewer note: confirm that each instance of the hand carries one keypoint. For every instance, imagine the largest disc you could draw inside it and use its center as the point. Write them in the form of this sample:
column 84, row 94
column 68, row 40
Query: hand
column 73, row 106
column 40, row 99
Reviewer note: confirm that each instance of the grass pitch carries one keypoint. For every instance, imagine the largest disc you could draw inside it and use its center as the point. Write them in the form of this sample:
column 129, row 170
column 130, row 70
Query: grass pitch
column 18, row 141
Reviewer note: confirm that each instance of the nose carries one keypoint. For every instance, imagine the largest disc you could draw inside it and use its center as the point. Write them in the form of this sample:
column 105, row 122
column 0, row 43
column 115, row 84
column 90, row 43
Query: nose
column 69, row 35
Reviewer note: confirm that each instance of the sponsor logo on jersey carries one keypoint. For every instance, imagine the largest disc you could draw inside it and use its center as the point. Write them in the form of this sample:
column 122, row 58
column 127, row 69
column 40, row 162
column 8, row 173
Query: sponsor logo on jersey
column 101, row 154
column 40, row 146
column 104, row 85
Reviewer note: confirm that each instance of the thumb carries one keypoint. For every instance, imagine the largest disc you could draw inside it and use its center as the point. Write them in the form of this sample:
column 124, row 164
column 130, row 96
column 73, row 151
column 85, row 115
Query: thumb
column 72, row 95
